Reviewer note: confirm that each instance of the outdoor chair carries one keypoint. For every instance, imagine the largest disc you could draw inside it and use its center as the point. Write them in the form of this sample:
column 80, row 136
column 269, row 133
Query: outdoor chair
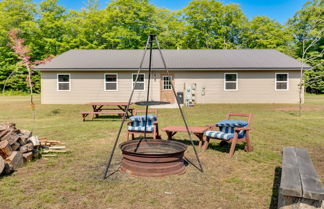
column 231, row 131
column 137, row 124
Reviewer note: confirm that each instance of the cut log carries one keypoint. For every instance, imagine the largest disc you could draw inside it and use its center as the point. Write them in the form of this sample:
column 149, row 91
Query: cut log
column 34, row 140
column 15, row 146
column 5, row 149
column 21, row 140
column 13, row 138
column 7, row 136
column 57, row 147
column 6, row 127
column 3, row 133
column 25, row 134
column 28, row 156
column 50, row 143
column 15, row 160
column 55, row 151
column 26, row 148
column 2, row 164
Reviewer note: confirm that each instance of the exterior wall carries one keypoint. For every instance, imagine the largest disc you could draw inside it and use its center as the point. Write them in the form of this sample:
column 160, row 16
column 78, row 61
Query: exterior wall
column 253, row 87
column 89, row 87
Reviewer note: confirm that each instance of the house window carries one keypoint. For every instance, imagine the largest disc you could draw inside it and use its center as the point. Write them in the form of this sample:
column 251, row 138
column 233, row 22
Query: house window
column 111, row 82
column 230, row 83
column 281, row 81
column 140, row 86
column 63, row 82
column 167, row 82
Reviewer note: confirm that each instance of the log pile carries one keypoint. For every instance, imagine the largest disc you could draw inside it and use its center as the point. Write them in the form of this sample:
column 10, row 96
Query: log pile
column 16, row 147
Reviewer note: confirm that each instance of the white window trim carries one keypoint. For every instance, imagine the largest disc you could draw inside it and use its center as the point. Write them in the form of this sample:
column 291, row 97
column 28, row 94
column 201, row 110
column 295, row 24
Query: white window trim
column 230, row 82
column 57, row 81
column 170, row 81
column 105, row 82
column 282, row 82
column 137, row 82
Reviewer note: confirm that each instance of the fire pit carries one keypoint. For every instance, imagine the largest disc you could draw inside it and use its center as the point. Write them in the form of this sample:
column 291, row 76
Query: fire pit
column 153, row 157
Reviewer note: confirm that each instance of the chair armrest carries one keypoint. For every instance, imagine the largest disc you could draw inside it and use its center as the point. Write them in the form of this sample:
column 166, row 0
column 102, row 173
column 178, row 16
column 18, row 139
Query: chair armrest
column 211, row 126
column 129, row 123
column 242, row 129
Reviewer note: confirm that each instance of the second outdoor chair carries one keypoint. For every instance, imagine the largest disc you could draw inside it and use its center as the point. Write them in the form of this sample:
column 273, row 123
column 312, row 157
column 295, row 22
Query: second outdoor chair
column 231, row 131
column 137, row 124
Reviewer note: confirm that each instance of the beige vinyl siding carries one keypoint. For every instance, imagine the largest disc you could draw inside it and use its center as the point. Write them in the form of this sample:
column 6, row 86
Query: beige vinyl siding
column 253, row 87
column 89, row 87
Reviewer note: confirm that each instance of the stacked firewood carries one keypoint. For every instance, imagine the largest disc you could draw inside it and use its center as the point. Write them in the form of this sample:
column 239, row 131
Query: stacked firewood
column 16, row 147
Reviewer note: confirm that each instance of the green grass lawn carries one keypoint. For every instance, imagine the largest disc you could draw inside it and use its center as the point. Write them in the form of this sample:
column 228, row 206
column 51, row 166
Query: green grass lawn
column 73, row 180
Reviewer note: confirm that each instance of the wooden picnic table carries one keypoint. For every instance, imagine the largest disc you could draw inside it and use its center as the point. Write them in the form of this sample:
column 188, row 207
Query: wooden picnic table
column 98, row 108
column 196, row 130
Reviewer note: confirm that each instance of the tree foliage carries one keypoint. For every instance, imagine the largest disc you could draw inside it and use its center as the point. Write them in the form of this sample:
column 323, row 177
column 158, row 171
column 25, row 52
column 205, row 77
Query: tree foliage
column 307, row 27
column 48, row 28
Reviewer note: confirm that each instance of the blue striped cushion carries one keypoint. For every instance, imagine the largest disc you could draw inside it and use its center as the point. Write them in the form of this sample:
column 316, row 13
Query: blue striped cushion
column 141, row 128
column 223, row 135
column 232, row 123
column 139, row 120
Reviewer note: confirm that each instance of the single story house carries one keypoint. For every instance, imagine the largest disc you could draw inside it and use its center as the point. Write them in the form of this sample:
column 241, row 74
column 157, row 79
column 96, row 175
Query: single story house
column 218, row 76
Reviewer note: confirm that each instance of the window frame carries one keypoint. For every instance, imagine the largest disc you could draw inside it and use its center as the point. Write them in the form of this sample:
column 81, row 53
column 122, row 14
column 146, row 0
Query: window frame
column 105, row 82
column 58, row 82
column 170, row 82
column 287, row 89
column 236, row 81
column 137, row 82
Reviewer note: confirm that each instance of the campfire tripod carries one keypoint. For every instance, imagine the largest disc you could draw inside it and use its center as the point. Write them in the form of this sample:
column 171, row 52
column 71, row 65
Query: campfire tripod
column 149, row 43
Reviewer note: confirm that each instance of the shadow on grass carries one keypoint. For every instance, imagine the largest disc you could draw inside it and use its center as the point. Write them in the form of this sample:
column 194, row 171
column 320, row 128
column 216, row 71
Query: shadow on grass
column 222, row 146
column 104, row 118
column 225, row 147
column 275, row 188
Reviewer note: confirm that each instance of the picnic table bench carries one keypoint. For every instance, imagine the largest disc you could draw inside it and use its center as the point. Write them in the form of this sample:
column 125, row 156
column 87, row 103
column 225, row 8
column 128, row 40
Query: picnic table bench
column 197, row 131
column 85, row 114
column 300, row 185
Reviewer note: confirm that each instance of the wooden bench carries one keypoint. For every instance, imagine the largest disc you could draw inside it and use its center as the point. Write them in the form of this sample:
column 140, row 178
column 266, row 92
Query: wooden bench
column 300, row 185
column 197, row 131
column 85, row 114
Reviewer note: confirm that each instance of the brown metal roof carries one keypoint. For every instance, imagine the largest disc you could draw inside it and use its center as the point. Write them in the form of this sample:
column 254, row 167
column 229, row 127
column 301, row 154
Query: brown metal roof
column 245, row 59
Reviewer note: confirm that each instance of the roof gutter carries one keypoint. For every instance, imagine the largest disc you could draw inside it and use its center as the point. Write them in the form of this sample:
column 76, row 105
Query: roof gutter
column 171, row 69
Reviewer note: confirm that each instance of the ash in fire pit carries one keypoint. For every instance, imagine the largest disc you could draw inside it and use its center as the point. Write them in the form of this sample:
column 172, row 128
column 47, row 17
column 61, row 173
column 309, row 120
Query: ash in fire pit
column 152, row 157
